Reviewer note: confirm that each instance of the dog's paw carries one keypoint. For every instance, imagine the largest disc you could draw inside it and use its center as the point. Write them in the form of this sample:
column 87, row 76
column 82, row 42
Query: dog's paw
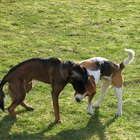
column 90, row 110
column 29, row 108
column 119, row 113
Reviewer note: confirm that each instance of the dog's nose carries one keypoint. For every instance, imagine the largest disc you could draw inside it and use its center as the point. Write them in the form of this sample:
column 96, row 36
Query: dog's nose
column 77, row 99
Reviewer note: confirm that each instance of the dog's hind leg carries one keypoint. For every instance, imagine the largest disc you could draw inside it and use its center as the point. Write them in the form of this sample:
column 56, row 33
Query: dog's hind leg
column 23, row 104
column 119, row 97
column 27, row 107
column 28, row 85
column 117, row 82
column 105, row 86
column 11, row 108
column 17, row 93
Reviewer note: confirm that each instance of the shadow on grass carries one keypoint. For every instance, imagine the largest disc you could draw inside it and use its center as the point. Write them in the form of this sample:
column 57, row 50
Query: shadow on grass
column 5, row 126
column 94, row 127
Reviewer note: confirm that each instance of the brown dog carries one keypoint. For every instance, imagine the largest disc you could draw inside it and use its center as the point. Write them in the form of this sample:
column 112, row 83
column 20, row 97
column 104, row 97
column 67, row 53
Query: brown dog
column 51, row 71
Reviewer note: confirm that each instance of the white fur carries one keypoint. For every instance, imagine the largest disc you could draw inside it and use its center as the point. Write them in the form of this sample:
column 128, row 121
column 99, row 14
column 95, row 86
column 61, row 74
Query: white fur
column 79, row 96
column 130, row 57
column 119, row 97
column 104, row 87
column 99, row 59
column 89, row 109
column 95, row 74
column 118, row 91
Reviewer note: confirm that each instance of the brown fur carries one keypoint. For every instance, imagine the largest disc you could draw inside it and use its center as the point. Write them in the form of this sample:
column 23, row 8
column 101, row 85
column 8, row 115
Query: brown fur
column 116, row 74
column 117, row 78
column 51, row 71
column 91, row 88
column 89, row 64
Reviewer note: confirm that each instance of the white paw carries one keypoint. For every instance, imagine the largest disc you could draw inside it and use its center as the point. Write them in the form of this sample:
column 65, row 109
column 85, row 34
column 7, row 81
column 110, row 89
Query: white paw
column 90, row 110
column 119, row 113
column 96, row 105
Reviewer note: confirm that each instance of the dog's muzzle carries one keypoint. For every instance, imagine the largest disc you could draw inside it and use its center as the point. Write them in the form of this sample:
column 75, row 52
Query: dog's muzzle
column 79, row 97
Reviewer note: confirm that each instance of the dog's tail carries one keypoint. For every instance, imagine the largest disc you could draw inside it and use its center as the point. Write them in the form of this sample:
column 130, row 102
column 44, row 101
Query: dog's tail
column 128, row 60
column 2, row 95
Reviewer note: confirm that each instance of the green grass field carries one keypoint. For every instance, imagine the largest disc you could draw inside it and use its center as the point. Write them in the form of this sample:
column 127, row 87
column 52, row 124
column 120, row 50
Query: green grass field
column 72, row 30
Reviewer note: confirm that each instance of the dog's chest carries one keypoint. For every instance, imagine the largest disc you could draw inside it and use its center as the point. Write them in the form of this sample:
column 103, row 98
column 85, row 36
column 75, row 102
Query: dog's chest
column 95, row 73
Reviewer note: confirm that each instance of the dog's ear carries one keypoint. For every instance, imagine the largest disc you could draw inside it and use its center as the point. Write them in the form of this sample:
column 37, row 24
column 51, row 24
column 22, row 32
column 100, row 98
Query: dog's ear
column 72, row 71
column 65, row 69
column 91, row 85
column 79, row 73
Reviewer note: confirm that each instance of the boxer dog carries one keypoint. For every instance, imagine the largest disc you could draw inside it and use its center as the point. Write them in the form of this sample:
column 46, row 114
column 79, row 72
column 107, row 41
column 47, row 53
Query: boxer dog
column 52, row 71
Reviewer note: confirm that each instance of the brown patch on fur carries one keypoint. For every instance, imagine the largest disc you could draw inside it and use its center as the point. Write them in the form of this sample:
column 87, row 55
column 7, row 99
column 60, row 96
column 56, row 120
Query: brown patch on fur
column 117, row 78
column 91, row 86
column 89, row 64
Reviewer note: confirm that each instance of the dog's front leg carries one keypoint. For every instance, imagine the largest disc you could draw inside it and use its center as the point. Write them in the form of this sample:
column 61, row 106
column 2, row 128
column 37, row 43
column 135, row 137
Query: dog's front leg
column 55, row 96
column 56, row 107
column 89, row 108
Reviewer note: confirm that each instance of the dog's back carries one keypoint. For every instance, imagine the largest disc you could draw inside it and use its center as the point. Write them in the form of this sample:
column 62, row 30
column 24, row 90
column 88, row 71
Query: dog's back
column 32, row 69
column 36, row 68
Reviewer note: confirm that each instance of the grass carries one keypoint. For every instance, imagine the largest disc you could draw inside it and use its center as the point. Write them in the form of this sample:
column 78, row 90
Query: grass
column 72, row 30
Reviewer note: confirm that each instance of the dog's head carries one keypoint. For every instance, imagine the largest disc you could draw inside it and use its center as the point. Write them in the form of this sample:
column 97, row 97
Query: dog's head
column 84, row 89
column 77, row 75
column 72, row 72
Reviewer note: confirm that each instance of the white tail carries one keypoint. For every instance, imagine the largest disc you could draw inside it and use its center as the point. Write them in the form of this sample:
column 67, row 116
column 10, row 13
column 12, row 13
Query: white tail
column 130, row 57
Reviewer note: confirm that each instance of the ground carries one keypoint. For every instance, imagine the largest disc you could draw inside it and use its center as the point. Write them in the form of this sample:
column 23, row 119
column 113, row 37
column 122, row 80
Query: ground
column 71, row 30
